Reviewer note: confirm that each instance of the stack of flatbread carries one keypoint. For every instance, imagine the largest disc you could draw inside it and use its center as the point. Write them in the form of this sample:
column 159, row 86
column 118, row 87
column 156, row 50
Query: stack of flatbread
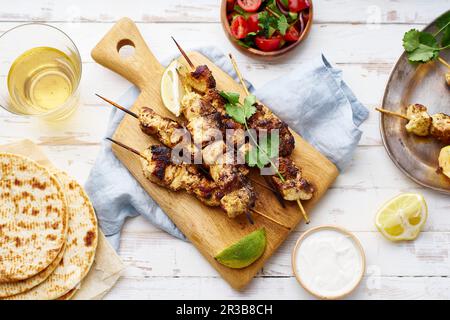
column 48, row 231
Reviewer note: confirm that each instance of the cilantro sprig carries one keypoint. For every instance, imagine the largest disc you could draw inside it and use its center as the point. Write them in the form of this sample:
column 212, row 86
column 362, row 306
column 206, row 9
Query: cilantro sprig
column 271, row 21
column 422, row 46
column 267, row 148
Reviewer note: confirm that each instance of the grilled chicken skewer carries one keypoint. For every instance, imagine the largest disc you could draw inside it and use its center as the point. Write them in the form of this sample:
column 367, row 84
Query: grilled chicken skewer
column 298, row 187
column 422, row 124
column 290, row 177
column 232, row 181
column 203, row 84
column 159, row 169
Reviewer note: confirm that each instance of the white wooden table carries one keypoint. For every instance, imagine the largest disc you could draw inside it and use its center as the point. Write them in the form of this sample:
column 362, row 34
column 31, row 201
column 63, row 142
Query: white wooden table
column 362, row 37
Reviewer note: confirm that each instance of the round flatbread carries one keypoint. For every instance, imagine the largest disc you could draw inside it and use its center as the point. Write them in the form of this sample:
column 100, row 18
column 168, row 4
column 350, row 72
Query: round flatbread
column 33, row 218
column 69, row 295
column 80, row 249
column 12, row 288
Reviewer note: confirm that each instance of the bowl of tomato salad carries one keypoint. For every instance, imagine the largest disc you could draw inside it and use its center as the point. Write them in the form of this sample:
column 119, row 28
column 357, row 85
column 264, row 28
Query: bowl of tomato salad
column 266, row 28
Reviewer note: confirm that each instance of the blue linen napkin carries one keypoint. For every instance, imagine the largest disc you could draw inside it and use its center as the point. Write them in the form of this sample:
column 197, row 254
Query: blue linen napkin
column 313, row 100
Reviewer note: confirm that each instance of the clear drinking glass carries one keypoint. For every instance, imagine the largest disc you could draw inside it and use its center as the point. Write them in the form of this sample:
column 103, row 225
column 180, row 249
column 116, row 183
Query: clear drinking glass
column 40, row 72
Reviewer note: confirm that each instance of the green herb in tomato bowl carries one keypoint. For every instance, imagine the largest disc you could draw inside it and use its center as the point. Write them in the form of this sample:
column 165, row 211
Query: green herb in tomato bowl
column 266, row 27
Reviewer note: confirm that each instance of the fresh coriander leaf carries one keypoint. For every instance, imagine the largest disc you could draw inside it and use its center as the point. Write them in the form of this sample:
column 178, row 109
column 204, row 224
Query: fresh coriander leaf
column 251, row 157
column 420, row 46
column 423, row 54
column 411, row 40
column 263, row 156
column 428, row 39
column 267, row 23
column 236, row 112
column 282, row 25
column 250, row 99
column 445, row 39
column 443, row 20
column 231, row 97
column 443, row 24
column 249, row 107
column 274, row 144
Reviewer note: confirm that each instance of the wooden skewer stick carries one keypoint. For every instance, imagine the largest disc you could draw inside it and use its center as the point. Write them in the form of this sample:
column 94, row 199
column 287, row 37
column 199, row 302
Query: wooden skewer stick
column 238, row 72
column 131, row 113
column 445, row 63
column 184, row 54
column 127, row 147
column 141, row 155
column 391, row 113
column 244, row 86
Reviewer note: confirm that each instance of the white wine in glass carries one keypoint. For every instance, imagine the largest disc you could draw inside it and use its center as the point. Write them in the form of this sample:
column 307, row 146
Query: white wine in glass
column 43, row 79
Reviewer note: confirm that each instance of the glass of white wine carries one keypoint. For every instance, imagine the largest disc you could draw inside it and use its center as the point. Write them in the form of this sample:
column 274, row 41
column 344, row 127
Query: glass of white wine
column 40, row 72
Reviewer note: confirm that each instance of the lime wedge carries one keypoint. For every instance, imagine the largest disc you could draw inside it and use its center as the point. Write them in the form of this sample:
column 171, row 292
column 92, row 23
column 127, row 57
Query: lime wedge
column 244, row 252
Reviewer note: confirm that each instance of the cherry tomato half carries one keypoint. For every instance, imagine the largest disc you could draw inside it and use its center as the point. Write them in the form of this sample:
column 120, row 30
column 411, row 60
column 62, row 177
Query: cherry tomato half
column 253, row 23
column 270, row 44
column 298, row 5
column 249, row 5
column 230, row 5
column 292, row 34
column 239, row 27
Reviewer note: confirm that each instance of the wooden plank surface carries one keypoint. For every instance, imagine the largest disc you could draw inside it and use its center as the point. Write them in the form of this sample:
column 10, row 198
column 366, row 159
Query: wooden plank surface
column 365, row 53
column 209, row 229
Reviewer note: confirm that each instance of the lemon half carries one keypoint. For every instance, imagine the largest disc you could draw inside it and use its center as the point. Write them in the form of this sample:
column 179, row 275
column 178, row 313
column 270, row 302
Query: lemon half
column 172, row 89
column 403, row 217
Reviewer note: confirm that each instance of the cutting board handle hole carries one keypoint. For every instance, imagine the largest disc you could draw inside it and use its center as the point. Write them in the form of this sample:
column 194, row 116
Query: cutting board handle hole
column 126, row 48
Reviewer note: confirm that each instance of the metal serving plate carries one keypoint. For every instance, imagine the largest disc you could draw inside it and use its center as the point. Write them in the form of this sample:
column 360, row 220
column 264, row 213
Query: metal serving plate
column 417, row 157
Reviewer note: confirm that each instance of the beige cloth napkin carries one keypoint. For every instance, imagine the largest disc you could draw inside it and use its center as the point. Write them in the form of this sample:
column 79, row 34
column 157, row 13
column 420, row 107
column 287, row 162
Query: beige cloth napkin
column 107, row 266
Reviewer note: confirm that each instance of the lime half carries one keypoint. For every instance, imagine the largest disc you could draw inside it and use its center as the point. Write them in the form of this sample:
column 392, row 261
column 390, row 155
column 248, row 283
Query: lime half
column 244, row 252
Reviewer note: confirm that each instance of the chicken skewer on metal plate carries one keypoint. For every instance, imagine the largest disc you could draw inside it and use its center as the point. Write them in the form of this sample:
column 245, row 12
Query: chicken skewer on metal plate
column 232, row 182
column 422, row 124
column 158, row 168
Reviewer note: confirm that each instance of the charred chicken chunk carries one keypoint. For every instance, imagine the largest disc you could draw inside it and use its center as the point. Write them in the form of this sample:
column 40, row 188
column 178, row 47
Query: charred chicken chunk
column 158, row 168
column 294, row 187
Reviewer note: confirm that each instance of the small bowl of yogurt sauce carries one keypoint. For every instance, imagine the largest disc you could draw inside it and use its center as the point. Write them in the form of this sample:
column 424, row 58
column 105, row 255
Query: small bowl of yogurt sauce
column 328, row 262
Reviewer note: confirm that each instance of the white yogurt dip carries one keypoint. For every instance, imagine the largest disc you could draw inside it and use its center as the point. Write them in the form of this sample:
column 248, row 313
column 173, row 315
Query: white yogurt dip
column 328, row 262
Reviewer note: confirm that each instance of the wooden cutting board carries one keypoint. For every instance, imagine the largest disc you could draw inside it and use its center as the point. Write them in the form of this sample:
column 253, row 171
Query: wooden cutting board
column 209, row 229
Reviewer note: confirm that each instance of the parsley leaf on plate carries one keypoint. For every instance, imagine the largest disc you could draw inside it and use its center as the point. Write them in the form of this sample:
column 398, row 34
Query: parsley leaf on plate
column 443, row 23
column 411, row 40
column 422, row 46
